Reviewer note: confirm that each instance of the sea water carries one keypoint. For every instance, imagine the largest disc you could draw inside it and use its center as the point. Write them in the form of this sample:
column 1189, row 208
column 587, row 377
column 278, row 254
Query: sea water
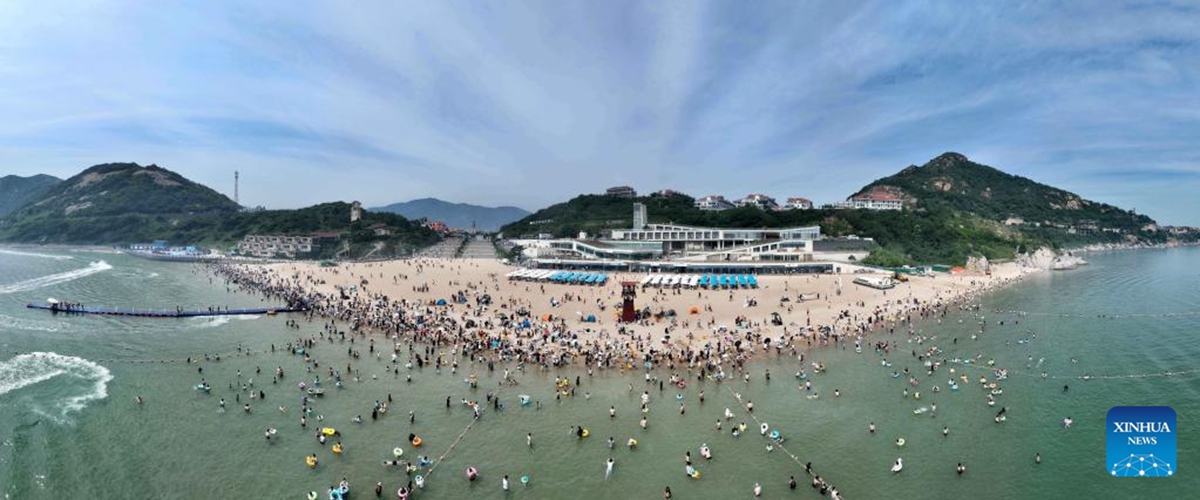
column 69, row 426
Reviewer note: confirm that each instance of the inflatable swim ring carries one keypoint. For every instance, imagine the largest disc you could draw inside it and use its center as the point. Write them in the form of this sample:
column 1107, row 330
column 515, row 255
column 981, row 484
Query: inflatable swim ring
column 472, row 473
column 632, row 442
column 899, row 441
column 310, row 461
column 337, row 449
column 416, row 442
column 312, row 495
column 328, row 431
column 525, row 479
column 584, row 433
column 419, row 481
column 695, row 474
column 397, row 452
column 678, row 396
column 762, row 429
column 402, row 493
column 775, row 434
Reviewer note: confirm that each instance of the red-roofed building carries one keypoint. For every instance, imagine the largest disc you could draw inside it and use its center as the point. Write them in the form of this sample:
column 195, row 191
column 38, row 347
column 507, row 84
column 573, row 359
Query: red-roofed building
column 758, row 200
column 799, row 204
column 876, row 199
column 438, row 226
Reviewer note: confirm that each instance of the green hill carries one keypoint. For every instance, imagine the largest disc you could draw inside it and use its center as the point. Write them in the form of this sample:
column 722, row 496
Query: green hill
column 16, row 192
column 954, row 182
column 954, row 208
column 122, row 203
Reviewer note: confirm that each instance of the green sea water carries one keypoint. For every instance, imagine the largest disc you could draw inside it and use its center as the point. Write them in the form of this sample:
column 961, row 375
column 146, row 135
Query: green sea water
column 69, row 427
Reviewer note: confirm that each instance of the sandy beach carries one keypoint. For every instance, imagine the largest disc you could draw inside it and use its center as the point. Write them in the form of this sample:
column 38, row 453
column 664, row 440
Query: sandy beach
column 845, row 308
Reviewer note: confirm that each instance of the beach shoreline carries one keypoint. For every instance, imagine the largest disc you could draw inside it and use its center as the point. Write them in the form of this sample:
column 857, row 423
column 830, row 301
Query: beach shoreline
column 683, row 325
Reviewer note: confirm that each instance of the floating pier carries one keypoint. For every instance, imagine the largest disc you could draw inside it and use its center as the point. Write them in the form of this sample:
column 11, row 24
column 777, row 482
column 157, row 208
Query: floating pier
column 150, row 313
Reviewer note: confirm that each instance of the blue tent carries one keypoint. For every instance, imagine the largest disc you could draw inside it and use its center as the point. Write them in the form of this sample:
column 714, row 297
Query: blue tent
column 753, row 281
column 591, row 318
column 441, row 302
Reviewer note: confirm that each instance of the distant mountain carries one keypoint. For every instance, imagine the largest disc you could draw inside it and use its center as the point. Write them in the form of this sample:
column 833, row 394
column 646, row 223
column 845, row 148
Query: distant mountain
column 16, row 192
column 456, row 215
column 102, row 204
column 954, row 182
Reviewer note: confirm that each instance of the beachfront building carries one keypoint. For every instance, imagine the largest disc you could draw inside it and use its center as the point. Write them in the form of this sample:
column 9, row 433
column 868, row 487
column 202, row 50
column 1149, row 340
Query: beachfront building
column 761, row 201
column 713, row 202
column 799, row 204
column 380, row 229
column 621, row 191
column 674, row 246
column 271, row 246
column 872, row 200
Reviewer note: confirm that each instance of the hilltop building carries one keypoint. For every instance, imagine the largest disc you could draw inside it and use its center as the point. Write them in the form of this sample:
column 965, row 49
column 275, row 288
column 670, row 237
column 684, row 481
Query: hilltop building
column 872, row 200
column 799, row 204
column 761, row 201
column 713, row 202
column 621, row 191
column 355, row 211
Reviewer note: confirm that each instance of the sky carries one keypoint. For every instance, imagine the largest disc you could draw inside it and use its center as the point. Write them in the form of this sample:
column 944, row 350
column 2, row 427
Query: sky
column 530, row 103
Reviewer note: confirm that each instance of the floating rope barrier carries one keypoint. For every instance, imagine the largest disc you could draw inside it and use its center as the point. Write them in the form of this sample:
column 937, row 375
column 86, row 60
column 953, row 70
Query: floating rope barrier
column 1162, row 374
column 777, row 444
column 1177, row 314
column 453, row 445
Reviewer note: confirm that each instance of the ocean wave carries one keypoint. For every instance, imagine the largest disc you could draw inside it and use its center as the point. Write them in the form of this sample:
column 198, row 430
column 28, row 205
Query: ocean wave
column 32, row 254
column 54, row 279
column 9, row 322
column 215, row 321
column 25, row 370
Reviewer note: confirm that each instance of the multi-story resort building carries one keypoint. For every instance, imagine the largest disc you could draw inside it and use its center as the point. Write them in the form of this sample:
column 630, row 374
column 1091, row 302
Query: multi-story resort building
column 713, row 202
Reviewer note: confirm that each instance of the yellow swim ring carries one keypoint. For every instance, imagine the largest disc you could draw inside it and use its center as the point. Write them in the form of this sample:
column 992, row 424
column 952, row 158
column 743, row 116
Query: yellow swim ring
column 337, row 449
column 584, row 433
column 310, row 461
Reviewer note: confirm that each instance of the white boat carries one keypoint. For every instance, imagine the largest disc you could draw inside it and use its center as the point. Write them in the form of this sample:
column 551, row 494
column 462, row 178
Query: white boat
column 876, row 282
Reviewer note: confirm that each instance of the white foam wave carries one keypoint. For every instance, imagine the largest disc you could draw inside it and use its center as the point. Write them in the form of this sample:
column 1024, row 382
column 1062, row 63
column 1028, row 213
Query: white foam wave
column 32, row 254
column 54, row 279
column 28, row 369
column 215, row 321
column 9, row 322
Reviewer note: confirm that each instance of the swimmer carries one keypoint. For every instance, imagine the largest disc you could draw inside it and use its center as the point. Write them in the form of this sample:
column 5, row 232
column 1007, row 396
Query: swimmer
column 611, row 441
column 945, row 431
column 757, row 490
column 608, row 467
column 282, row 409
column 871, row 428
column 643, row 423
column 961, row 468
column 529, row 439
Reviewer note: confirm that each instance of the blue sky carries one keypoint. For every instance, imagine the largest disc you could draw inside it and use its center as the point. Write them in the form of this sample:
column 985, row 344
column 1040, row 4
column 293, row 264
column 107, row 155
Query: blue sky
column 529, row 103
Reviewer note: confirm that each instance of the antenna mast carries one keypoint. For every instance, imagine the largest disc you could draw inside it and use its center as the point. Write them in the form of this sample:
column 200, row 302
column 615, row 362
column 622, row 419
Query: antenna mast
column 235, row 188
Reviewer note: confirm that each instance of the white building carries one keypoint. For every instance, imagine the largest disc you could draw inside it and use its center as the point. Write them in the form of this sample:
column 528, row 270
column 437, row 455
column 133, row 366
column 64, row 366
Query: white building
column 639, row 216
column 269, row 246
column 874, row 200
column 758, row 200
column 799, row 204
column 713, row 202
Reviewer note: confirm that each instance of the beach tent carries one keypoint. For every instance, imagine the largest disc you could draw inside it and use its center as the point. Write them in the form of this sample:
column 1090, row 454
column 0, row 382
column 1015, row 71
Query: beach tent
column 591, row 318
column 440, row 302
column 694, row 310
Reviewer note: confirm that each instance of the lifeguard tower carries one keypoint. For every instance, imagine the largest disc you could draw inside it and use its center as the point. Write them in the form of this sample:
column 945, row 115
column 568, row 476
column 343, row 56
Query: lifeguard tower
column 628, row 292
